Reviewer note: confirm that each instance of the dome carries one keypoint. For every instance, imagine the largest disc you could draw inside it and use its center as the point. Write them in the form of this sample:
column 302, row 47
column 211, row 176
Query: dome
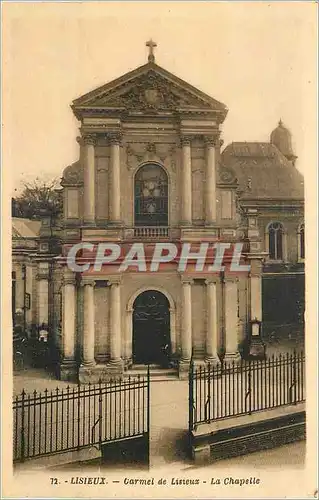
column 281, row 138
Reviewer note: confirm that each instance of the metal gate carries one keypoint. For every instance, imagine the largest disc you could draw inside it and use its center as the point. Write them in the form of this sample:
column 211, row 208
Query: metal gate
column 233, row 389
column 79, row 417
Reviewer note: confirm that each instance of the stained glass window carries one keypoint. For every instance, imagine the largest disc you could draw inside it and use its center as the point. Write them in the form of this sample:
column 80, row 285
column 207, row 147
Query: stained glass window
column 151, row 196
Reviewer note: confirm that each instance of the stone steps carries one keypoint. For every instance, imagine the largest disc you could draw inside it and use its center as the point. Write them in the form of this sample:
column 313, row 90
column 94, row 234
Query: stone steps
column 156, row 372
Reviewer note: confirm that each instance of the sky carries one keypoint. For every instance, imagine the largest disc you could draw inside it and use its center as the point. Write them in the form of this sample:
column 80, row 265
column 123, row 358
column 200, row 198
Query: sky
column 257, row 58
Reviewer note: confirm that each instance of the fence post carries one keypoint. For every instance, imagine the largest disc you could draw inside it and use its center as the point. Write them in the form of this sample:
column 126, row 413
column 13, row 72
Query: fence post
column 100, row 412
column 22, row 427
column 295, row 379
column 78, row 426
column 249, row 387
column 148, row 400
column 208, row 394
column 191, row 396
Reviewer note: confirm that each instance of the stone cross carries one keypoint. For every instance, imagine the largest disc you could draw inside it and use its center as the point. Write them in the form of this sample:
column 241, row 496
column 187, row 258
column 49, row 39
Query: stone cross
column 151, row 45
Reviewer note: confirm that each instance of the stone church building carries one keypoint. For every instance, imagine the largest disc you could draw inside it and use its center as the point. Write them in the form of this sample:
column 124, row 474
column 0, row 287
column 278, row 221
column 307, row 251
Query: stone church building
column 150, row 169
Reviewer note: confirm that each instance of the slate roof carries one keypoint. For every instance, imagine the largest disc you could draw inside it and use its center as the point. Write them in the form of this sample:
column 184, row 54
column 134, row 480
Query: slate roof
column 25, row 228
column 263, row 172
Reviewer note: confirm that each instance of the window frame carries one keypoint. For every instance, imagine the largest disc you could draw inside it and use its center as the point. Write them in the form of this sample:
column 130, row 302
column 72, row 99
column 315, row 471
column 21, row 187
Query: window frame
column 283, row 243
column 167, row 185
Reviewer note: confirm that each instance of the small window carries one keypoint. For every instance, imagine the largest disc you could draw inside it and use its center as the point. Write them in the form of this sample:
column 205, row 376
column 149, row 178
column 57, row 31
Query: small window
column 275, row 235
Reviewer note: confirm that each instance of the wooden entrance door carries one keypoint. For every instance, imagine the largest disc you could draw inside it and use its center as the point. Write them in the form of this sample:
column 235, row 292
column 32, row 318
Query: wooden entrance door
column 151, row 329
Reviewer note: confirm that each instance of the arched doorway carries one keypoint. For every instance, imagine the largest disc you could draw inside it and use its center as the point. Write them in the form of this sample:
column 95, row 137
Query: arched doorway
column 151, row 329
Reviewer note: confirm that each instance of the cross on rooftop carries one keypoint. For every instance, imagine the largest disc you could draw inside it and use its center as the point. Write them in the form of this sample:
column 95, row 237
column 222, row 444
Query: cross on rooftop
column 151, row 45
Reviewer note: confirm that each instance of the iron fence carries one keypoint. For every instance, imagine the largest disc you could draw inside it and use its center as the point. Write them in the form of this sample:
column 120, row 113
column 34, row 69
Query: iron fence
column 233, row 389
column 77, row 417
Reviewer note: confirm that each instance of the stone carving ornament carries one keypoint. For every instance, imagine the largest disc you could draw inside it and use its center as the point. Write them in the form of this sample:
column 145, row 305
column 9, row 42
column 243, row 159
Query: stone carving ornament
column 151, row 92
column 135, row 158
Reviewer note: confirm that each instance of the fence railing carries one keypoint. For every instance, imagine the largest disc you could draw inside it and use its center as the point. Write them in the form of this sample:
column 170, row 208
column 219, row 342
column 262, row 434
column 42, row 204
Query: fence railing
column 232, row 389
column 77, row 417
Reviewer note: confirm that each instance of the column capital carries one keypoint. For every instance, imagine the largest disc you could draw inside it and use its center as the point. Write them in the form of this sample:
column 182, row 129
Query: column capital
column 230, row 279
column 211, row 281
column 185, row 280
column 255, row 274
column 185, row 140
column 69, row 279
column 42, row 275
column 87, row 281
column 115, row 280
column 211, row 141
column 89, row 139
column 115, row 138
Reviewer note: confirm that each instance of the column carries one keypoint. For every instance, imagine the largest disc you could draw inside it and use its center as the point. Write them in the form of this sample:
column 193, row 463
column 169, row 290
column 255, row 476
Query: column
column 210, row 182
column 255, row 289
column 186, row 320
column 255, row 297
column 68, row 317
column 186, row 182
column 115, row 321
column 231, row 319
column 89, row 179
column 43, row 293
column 88, row 321
column 115, row 183
column 212, row 325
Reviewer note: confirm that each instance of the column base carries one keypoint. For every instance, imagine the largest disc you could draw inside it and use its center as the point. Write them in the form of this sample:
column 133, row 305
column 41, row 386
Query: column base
column 89, row 223
column 68, row 371
column 115, row 368
column 115, row 223
column 212, row 360
column 95, row 373
column 232, row 357
column 183, row 369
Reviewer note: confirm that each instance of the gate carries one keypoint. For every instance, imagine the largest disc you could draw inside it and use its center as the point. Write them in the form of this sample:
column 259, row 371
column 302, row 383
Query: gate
column 78, row 417
column 233, row 389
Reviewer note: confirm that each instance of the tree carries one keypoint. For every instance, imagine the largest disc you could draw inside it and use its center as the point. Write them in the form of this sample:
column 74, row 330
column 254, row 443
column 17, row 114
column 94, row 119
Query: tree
column 38, row 199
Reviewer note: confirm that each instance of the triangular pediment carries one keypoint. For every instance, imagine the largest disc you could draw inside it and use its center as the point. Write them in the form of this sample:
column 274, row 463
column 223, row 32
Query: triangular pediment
column 146, row 88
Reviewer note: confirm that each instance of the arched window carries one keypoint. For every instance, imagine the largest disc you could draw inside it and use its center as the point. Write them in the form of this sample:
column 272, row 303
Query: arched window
column 301, row 241
column 151, row 196
column 275, row 235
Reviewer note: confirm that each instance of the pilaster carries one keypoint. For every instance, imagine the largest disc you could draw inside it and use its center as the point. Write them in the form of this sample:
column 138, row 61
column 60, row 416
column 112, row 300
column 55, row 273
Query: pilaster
column 231, row 318
column 68, row 368
column 89, row 142
column 186, row 326
column 115, row 179
column 186, row 212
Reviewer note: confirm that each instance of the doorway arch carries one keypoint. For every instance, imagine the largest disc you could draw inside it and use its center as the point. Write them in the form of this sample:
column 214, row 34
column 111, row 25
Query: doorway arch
column 129, row 351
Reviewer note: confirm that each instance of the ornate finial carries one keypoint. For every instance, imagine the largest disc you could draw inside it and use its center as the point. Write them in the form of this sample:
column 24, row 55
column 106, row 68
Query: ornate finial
column 280, row 123
column 151, row 45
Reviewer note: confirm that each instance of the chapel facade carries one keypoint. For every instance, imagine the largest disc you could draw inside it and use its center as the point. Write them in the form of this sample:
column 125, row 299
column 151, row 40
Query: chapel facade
column 150, row 169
